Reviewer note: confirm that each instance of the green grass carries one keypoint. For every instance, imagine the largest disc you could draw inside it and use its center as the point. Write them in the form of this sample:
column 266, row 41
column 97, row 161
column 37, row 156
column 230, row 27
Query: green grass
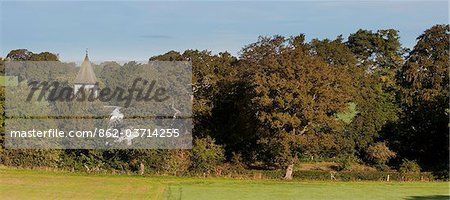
column 29, row 184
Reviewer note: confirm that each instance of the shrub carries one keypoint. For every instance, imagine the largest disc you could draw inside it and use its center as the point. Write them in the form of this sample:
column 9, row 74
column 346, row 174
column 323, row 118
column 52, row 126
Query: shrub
column 345, row 162
column 30, row 157
column 409, row 166
column 312, row 175
column 237, row 163
column 441, row 175
column 379, row 153
column 363, row 176
column 231, row 170
column 347, row 175
column 206, row 155
column 176, row 162
column 83, row 160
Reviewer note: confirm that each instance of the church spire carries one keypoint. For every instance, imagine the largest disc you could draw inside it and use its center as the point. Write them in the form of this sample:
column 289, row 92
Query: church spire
column 86, row 75
column 86, row 58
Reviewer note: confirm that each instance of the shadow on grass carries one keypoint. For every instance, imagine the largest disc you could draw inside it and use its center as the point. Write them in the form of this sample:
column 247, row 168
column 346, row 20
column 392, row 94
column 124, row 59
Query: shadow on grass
column 432, row 197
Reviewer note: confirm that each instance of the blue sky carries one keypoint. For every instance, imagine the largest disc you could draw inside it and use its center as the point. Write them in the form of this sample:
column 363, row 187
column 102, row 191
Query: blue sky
column 137, row 30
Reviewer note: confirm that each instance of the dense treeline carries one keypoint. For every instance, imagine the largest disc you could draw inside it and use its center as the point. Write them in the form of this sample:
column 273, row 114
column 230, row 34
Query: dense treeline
column 284, row 100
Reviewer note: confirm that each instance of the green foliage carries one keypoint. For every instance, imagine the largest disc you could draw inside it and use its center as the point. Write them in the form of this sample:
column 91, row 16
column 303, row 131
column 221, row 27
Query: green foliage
column 421, row 134
column 377, row 51
column 83, row 160
column 350, row 175
column 348, row 116
column 382, row 176
column 44, row 56
column 409, row 166
column 333, row 52
column 374, row 105
column 19, row 55
column 206, row 155
column 30, row 158
column 25, row 55
column 424, row 76
column 345, row 162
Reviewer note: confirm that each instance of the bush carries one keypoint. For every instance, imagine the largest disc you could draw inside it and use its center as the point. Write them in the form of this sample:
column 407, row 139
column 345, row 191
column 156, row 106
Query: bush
column 83, row 160
column 206, row 155
column 231, row 170
column 441, row 175
column 348, row 175
column 363, row 176
column 345, row 162
column 409, row 166
column 312, row 175
column 176, row 162
column 379, row 153
column 237, row 163
column 30, row 158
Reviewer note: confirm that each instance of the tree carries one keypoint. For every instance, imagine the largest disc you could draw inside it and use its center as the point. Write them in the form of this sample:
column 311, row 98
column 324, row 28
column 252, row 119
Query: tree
column 334, row 52
column 208, row 74
column 422, row 132
column 377, row 51
column 44, row 56
column 169, row 56
column 19, row 55
column 373, row 108
column 295, row 97
column 25, row 55
column 424, row 77
column 379, row 57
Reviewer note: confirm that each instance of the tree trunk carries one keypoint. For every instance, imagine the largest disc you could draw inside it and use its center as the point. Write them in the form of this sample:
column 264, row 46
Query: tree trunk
column 289, row 170
column 141, row 168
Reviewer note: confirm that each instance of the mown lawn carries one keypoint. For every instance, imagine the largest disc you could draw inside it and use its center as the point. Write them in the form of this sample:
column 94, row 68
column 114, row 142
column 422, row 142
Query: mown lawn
column 29, row 184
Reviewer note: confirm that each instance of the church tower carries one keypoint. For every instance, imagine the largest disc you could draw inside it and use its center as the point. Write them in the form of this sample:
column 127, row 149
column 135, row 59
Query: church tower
column 86, row 78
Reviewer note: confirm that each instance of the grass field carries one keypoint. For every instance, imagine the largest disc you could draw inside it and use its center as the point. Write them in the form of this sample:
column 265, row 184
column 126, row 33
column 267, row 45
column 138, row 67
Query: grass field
column 29, row 184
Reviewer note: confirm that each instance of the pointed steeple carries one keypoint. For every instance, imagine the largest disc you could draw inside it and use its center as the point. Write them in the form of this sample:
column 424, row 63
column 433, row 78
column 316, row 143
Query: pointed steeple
column 86, row 74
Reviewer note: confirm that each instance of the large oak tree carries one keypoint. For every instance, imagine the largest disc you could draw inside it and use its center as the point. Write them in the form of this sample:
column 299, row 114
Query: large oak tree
column 295, row 97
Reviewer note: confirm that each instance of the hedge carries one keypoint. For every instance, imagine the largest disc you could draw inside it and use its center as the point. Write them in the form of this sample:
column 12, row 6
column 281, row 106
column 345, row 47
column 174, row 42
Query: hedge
column 349, row 176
